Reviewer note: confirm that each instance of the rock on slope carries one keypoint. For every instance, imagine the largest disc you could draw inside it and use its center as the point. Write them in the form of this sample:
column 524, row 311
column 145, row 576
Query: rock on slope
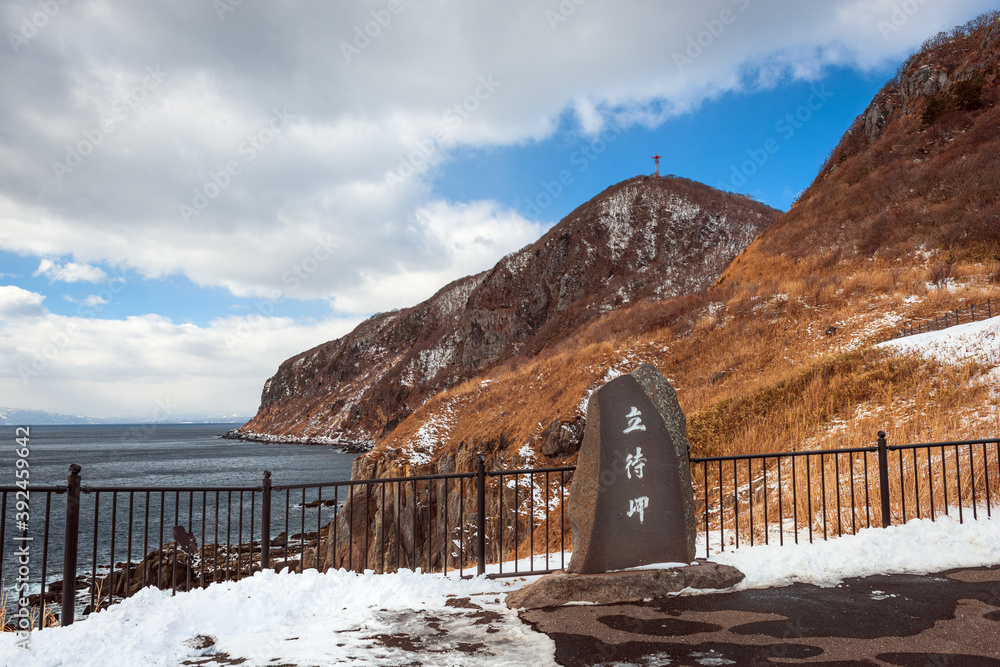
column 644, row 237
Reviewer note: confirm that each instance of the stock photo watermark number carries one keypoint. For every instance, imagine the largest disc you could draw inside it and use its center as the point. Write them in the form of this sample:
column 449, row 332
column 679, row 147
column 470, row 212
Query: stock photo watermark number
column 22, row 617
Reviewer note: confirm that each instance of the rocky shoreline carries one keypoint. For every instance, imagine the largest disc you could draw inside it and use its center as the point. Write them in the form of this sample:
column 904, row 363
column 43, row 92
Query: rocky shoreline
column 173, row 567
column 345, row 447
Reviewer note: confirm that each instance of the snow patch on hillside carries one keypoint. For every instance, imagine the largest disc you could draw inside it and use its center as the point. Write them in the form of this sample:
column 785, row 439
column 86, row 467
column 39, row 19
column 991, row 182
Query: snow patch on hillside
column 516, row 262
column 419, row 449
column 616, row 216
column 861, row 328
column 429, row 362
column 975, row 341
column 681, row 209
column 454, row 300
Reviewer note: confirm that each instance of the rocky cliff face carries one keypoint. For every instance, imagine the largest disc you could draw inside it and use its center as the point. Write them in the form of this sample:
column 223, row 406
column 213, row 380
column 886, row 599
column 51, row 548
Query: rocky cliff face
column 645, row 237
column 912, row 174
column 935, row 73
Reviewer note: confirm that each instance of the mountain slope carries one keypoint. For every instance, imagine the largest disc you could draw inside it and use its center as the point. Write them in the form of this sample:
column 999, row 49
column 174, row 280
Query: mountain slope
column 917, row 169
column 901, row 223
column 642, row 238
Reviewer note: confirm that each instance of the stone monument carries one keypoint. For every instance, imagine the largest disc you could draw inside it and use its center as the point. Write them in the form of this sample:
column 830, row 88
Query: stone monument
column 631, row 502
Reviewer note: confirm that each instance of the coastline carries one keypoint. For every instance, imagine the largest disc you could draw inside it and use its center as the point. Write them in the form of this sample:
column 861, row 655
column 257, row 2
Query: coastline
column 346, row 447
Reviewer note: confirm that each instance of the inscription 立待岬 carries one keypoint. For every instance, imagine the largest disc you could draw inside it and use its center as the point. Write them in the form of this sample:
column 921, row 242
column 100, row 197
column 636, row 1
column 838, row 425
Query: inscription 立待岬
column 635, row 462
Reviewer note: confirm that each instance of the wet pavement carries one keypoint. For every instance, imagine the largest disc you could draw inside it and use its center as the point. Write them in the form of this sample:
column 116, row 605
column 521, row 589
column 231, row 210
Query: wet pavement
column 946, row 619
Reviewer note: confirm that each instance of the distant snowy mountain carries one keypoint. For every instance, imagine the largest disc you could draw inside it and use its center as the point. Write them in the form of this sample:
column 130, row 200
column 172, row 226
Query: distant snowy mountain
column 15, row 417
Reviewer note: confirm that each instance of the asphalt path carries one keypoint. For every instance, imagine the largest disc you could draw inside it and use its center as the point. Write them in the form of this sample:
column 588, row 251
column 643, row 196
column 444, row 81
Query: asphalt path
column 946, row 619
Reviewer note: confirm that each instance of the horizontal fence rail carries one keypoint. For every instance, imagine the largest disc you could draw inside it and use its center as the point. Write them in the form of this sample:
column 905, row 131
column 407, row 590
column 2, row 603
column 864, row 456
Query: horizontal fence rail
column 498, row 523
column 971, row 313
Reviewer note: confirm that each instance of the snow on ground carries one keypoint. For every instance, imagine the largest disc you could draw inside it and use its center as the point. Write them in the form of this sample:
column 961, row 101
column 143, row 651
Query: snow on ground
column 975, row 341
column 862, row 327
column 393, row 619
column 920, row 546
column 300, row 619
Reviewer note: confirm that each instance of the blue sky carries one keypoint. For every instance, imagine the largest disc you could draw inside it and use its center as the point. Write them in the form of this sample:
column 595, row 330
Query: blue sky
column 191, row 193
column 705, row 145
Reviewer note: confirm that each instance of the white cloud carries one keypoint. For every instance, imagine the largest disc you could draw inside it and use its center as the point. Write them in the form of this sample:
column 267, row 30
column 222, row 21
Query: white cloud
column 154, row 123
column 18, row 304
column 70, row 272
column 468, row 238
column 91, row 301
column 132, row 367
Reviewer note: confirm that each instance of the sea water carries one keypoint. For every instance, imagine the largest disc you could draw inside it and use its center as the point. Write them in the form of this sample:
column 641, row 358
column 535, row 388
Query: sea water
column 152, row 456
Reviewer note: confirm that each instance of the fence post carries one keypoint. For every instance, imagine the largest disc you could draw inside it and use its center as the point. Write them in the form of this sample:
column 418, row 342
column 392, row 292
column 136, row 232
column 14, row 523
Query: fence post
column 72, row 538
column 480, row 515
column 883, row 478
column 265, row 525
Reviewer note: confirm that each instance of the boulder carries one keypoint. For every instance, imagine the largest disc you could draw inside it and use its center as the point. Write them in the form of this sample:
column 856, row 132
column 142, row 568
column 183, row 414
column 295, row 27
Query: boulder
column 631, row 502
column 562, row 438
column 617, row 587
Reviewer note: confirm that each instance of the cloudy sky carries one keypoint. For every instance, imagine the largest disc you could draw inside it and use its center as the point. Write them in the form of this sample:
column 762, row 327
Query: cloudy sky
column 191, row 192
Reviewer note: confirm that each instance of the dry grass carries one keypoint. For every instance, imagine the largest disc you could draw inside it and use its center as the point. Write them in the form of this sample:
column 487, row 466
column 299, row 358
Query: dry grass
column 753, row 373
column 840, row 494
column 4, row 613
column 49, row 618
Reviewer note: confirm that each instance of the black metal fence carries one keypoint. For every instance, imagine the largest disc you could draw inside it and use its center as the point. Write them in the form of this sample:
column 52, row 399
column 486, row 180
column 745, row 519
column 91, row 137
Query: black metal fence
column 963, row 315
column 118, row 540
column 501, row 523
column 828, row 493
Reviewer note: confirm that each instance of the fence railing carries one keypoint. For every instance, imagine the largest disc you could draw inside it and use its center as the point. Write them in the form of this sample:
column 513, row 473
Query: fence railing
column 495, row 522
column 764, row 498
column 120, row 539
column 986, row 310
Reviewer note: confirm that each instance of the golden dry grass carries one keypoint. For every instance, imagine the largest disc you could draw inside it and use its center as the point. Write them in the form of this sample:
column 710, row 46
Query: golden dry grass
column 754, row 374
column 49, row 617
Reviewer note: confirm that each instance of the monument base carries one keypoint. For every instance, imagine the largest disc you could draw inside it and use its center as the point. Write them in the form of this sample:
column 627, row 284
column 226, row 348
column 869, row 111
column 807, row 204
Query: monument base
column 625, row 586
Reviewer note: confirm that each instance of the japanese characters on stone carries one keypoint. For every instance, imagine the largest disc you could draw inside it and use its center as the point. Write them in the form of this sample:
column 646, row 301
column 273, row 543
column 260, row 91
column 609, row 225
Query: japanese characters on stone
column 634, row 463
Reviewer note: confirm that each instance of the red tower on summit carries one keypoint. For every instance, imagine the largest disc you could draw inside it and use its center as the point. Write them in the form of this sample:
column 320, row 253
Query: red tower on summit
column 656, row 161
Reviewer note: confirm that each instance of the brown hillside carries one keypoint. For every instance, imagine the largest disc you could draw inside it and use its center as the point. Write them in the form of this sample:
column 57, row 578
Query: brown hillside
column 902, row 222
column 644, row 238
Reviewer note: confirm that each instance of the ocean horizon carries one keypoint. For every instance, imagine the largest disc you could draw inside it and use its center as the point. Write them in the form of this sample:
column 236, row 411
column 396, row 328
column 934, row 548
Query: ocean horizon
column 164, row 454
column 135, row 457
